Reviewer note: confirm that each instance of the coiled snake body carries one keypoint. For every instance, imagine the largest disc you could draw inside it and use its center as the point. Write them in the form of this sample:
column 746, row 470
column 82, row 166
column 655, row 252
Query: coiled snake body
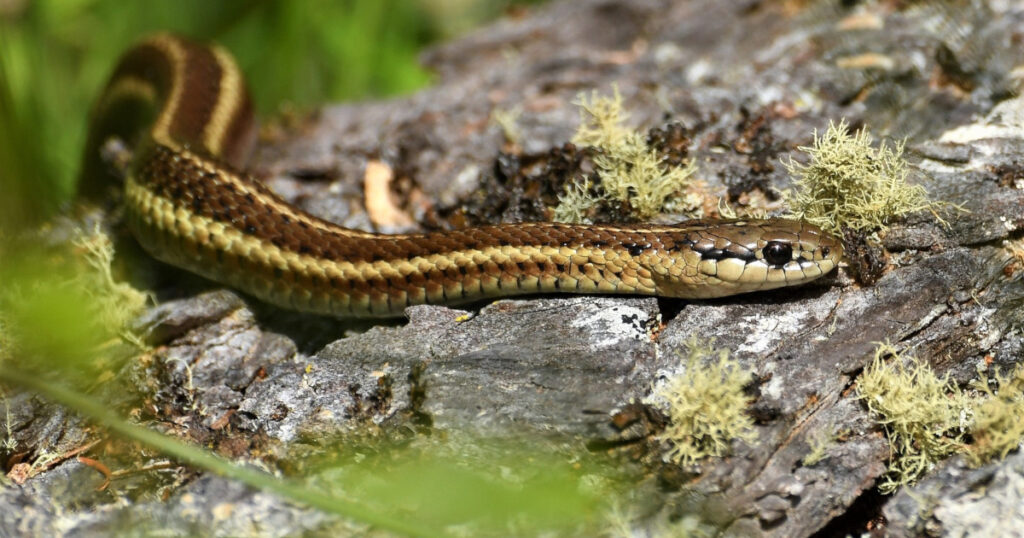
column 188, row 204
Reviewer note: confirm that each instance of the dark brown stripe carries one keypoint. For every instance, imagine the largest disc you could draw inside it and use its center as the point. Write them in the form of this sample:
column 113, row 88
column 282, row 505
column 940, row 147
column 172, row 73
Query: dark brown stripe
column 124, row 118
column 148, row 63
column 200, row 77
column 211, row 196
column 240, row 137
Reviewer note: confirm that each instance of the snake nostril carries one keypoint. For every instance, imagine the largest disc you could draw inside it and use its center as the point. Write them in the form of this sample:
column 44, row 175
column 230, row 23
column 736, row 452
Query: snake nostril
column 778, row 253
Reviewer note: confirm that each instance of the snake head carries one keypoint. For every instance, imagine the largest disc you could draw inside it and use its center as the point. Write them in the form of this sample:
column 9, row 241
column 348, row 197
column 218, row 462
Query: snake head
column 716, row 258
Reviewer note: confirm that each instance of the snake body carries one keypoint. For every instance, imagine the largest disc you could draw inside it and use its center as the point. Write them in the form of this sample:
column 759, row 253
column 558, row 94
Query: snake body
column 187, row 110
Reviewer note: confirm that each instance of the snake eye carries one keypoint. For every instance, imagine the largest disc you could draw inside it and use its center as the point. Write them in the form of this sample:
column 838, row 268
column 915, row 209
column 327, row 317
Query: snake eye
column 776, row 253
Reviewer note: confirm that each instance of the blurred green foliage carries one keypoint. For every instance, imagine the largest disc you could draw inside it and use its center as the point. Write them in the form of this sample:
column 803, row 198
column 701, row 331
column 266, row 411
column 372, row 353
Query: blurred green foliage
column 485, row 486
column 55, row 56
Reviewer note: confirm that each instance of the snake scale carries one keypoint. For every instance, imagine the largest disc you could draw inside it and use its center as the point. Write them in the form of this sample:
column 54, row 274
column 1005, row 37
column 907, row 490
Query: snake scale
column 185, row 110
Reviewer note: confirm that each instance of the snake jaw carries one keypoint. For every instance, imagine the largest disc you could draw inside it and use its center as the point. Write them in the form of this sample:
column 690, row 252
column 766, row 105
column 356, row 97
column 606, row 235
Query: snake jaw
column 733, row 257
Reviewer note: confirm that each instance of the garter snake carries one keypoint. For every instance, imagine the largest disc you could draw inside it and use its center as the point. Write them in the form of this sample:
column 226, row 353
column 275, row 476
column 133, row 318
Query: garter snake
column 187, row 202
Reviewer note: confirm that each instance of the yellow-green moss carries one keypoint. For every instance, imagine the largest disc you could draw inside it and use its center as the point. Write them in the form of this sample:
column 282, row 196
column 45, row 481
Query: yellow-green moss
column 577, row 202
column 631, row 171
column 727, row 211
column 508, row 121
column 602, row 121
column 848, row 183
column 923, row 415
column 62, row 305
column 819, row 443
column 998, row 427
column 927, row 418
column 706, row 405
column 115, row 303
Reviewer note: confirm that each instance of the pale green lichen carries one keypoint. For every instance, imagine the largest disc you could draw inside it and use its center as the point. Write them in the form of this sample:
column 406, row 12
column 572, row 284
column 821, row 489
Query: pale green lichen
column 631, row 172
column 64, row 306
column 819, row 443
column 602, row 121
column 922, row 414
column 508, row 121
column 706, row 405
column 997, row 427
column 755, row 211
column 847, row 183
column 115, row 303
column 927, row 418
column 577, row 202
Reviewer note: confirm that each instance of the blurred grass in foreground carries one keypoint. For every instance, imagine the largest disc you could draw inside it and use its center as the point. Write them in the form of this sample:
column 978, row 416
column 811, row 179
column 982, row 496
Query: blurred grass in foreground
column 521, row 488
column 56, row 341
column 55, row 56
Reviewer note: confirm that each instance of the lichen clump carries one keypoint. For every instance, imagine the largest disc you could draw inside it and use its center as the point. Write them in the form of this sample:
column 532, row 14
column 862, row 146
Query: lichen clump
column 65, row 306
column 116, row 303
column 631, row 172
column 920, row 412
column 848, row 183
column 706, row 405
column 997, row 427
column 928, row 418
column 508, row 121
column 820, row 441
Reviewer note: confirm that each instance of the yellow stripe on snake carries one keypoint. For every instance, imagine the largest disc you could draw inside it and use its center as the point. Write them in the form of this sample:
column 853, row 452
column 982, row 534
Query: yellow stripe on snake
column 186, row 201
